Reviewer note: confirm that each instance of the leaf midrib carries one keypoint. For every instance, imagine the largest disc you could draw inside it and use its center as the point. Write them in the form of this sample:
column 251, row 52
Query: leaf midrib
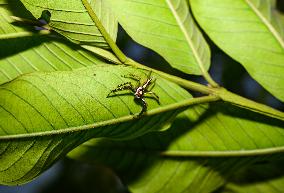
column 195, row 153
column 175, row 106
column 119, row 54
column 267, row 23
column 184, row 31
column 225, row 153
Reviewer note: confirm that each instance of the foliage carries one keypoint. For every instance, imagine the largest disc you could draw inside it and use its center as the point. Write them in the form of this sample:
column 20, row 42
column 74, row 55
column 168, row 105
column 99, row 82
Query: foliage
column 59, row 61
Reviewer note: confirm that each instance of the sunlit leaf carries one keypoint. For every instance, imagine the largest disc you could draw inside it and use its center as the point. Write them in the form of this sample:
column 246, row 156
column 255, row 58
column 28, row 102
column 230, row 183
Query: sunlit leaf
column 44, row 115
column 166, row 27
column 250, row 31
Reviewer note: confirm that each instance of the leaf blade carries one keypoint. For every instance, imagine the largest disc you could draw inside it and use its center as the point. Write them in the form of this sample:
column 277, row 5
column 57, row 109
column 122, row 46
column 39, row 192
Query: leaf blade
column 163, row 26
column 71, row 19
column 261, row 177
column 166, row 36
column 249, row 31
column 200, row 61
column 59, row 110
column 35, row 53
column 203, row 132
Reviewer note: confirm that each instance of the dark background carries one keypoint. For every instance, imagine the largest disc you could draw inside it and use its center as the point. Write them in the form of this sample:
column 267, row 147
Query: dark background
column 68, row 176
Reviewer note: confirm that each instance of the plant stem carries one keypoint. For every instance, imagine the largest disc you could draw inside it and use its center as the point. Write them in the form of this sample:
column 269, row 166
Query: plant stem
column 209, row 79
column 120, row 55
column 214, row 90
column 180, row 81
column 221, row 92
column 103, row 53
column 26, row 21
column 23, row 34
column 240, row 101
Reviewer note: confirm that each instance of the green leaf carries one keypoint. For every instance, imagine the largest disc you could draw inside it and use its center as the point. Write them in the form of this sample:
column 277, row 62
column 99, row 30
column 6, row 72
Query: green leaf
column 259, row 178
column 250, row 31
column 35, row 53
column 166, row 27
column 71, row 19
column 204, row 146
column 44, row 115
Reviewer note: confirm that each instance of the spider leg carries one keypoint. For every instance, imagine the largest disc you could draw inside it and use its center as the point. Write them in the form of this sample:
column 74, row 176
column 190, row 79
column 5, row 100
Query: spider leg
column 149, row 75
column 151, row 85
column 134, row 77
column 154, row 95
column 124, row 86
column 144, row 107
column 149, row 81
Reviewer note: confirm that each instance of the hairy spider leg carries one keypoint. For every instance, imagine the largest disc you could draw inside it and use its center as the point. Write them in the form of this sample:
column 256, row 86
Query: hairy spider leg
column 151, row 85
column 144, row 107
column 149, row 75
column 124, row 86
column 154, row 95
column 146, row 83
column 134, row 77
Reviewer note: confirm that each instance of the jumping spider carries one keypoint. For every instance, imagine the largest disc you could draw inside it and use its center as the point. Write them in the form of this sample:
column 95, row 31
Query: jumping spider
column 140, row 90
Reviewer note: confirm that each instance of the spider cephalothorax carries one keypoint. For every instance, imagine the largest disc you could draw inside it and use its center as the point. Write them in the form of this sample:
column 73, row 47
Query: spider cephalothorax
column 139, row 91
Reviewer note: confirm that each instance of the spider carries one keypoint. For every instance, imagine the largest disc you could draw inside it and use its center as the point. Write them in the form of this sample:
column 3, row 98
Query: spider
column 139, row 91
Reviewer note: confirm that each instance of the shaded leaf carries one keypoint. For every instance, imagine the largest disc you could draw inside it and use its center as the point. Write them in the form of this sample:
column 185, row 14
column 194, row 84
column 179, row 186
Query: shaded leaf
column 35, row 53
column 204, row 147
column 250, row 31
column 71, row 19
column 258, row 178
column 44, row 115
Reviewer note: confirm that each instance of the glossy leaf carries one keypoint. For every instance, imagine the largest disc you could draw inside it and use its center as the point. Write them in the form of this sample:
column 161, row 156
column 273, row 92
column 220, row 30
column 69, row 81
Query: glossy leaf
column 34, row 53
column 44, row 115
column 204, row 147
column 71, row 19
column 250, row 31
column 166, row 27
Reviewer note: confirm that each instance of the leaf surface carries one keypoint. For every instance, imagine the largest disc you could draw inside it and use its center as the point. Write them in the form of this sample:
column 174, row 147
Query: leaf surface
column 71, row 19
column 258, row 178
column 204, row 146
column 250, row 31
column 166, row 27
column 35, row 53
column 44, row 115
